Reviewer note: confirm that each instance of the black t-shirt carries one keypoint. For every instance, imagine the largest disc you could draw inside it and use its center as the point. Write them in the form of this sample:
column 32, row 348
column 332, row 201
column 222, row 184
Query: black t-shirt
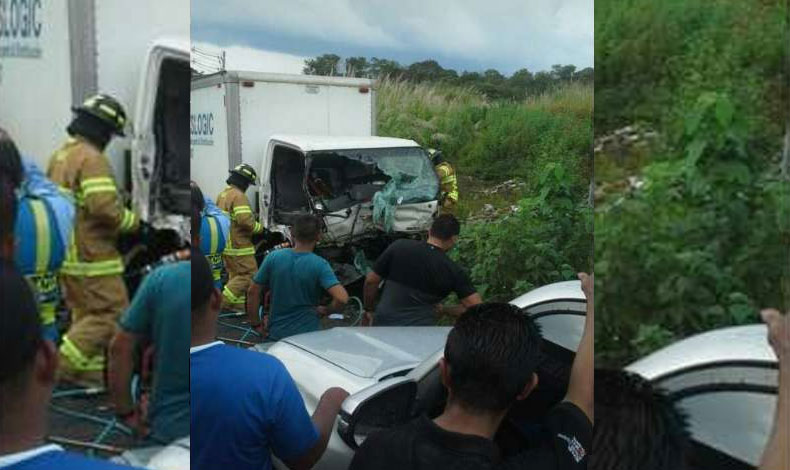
column 418, row 276
column 422, row 445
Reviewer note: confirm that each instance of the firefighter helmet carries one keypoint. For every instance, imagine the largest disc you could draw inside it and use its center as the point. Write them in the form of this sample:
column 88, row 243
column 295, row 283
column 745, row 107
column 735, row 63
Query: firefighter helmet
column 107, row 109
column 247, row 172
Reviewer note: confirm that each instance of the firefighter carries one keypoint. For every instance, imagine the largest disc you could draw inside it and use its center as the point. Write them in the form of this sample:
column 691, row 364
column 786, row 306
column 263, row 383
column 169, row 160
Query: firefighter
column 239, row 254
column 91, row 276
column 448, row 183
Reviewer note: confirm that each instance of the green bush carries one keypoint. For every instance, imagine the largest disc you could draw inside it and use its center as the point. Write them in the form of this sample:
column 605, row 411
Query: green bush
column 702, row 244
column 547, row 240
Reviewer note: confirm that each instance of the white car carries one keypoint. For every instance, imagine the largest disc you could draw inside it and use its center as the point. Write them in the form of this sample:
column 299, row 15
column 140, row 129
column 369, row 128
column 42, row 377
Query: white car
column 725, row 381
column 392, row 372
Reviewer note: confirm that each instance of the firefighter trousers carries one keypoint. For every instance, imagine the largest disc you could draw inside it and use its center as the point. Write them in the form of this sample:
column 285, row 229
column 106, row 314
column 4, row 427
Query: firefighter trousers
column 240, row 271
column 96, row 304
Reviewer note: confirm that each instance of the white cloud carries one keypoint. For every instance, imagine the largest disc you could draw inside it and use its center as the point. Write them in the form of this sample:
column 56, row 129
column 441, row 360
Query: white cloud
column 249, row 59
column 532, row 33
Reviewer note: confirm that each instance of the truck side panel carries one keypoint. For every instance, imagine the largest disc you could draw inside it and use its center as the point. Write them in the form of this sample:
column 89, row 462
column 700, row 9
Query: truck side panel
column 209, row 139
column 35, row 76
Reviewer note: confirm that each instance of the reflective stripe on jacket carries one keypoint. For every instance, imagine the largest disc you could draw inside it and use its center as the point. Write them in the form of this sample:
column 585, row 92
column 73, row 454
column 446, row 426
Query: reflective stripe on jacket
column 82, row 171
column 447, row 181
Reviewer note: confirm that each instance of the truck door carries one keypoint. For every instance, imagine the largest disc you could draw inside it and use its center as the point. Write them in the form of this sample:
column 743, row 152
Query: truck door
column 160, row 151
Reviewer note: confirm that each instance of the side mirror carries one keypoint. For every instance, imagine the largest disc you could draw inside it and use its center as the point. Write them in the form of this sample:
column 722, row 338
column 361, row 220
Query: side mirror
column 380, row 406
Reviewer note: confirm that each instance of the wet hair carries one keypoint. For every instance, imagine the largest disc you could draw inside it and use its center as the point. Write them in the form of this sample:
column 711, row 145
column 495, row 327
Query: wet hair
column 20, row 327
column 91, row 128
column 198, row 204
column 10, row 160
column 239, row 181
column 306, row 228
column 492, row 352
column 636, row 425
column 445, row 227
column 202, row 282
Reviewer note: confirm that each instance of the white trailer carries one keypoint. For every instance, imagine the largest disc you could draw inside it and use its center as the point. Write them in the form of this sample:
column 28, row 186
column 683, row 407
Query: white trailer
column 55, row 53
column 234, row 114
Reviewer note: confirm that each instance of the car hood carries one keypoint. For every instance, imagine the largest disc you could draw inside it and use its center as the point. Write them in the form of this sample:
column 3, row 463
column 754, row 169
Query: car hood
column 373, row 352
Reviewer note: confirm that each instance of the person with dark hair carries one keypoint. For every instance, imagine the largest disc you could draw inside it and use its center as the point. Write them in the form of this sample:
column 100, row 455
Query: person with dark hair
column 92, row 273
column 418, row 277
column 214, row 231
column 245, row 405
column 637, row 425
column 157, row 316
column 27, row 377
column 44, row 220
column 297, row 279
column 8, row 210
column 489, row 364
column 239, row 255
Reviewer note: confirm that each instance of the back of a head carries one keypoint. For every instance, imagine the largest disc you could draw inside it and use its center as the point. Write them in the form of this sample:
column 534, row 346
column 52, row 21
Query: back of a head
column 8, row 209
column 306, row 228
column 445, row 227
column 198, row 203
column 492, row 352
column 20, row 328
column 636, row 426
column 202, row 285
column 10, row 159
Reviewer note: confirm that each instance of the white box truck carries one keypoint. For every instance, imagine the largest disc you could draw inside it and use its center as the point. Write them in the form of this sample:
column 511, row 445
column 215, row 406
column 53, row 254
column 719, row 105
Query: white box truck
column 56, row 53
column 312, row 141
column 234, row 114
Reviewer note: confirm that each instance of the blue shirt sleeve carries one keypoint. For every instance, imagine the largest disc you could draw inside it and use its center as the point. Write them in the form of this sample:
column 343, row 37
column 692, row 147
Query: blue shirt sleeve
column 262, row 276
column 138, row 318
column 293, row 431
column 326, row 276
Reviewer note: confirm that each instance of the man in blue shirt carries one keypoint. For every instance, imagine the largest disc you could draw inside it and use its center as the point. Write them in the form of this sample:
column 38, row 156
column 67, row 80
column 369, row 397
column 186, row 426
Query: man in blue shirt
column 297, row 279
column 27, row 377
column 245, row 405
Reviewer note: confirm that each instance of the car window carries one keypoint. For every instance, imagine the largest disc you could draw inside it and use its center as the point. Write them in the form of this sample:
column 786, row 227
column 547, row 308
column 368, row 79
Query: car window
column 734, row 422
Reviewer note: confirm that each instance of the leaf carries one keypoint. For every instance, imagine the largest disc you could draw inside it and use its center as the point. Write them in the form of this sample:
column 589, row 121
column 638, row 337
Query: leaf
column 724, row 111
column 695, row 150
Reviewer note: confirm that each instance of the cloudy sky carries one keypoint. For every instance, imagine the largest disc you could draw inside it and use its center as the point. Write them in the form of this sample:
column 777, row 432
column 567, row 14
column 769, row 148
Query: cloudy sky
column 474, row 35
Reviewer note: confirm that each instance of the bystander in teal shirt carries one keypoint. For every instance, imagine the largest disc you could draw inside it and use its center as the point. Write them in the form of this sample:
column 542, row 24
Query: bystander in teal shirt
column 297, row 281
column 160, row 311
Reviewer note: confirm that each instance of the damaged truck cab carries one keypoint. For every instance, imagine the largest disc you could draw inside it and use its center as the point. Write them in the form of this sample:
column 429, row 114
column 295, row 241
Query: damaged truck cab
column 368, row 190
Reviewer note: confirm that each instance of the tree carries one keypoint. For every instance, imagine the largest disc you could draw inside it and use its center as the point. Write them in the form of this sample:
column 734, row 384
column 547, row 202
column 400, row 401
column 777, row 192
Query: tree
column 586, row 75
column 563, row 72
column 326, row 64
column 429, row 70
column 357, row 67
column 380, row 68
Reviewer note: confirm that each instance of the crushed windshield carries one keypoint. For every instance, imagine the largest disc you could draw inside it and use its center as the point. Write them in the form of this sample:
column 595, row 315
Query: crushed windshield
column 387, row 176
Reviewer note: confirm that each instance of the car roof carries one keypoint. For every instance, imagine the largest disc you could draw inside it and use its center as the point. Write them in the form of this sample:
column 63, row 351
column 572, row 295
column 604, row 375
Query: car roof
column 733, row 344
column 565, row 290
column 311, row 143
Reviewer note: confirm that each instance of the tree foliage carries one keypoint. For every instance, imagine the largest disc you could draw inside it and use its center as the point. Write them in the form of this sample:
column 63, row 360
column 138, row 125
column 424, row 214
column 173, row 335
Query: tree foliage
column 491, row 83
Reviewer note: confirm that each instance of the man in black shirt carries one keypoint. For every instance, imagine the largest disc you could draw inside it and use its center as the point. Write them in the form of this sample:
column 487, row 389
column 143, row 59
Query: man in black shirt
column 419, row 276
column 489, row 364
